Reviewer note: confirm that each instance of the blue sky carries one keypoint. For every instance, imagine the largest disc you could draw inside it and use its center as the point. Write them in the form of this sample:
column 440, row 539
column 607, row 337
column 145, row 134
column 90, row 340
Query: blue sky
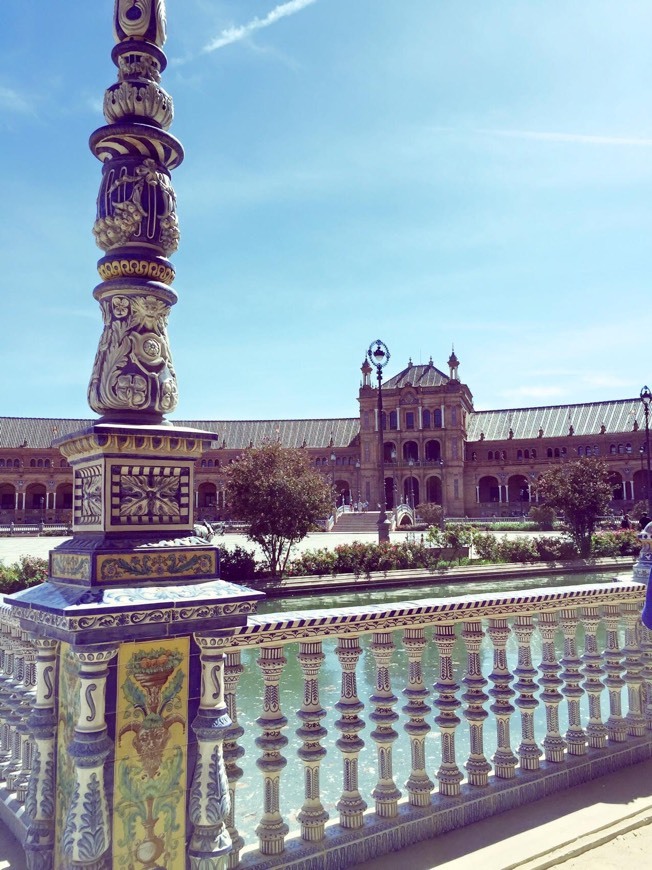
column 427, row 172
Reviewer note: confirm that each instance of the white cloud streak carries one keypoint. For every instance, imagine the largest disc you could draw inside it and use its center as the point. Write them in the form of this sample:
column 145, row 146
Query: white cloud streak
column 12, row 101
column 236, row 34
column 574, row 138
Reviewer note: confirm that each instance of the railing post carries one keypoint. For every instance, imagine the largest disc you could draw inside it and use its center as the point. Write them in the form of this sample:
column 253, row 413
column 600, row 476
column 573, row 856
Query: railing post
column 504, row 759
column 596, row 730
column 554, row 744
column 449, row 775
column 633, row 667
column 613, row 659
column 272, row 829
column 529, row 752
column 386, row 794
column 313, row 816
column 419, row 785
column 351, row 806
column 232, row 750
column 477, row 766
column 42, row 723
column 208, row 804
column 646, row 673
column 571, row 675
column 86, row 838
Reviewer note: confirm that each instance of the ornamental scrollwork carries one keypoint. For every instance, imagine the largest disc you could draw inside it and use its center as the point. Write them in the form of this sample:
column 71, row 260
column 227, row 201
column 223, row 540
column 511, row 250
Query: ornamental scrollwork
column 133, row 366
column 144, row 99
column 137, row 207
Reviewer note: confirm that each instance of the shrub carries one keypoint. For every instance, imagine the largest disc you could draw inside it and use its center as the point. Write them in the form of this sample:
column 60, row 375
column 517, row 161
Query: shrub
column 28, row 571
column 485, row 547
column 555, row 549
column 620, row 542
column 238, row 564
column 517, row 550
column 544, row 516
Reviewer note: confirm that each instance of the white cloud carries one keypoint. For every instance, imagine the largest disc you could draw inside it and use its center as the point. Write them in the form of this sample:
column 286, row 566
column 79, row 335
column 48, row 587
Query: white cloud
column 576, row 138
column 12, row 101
column 235, row 34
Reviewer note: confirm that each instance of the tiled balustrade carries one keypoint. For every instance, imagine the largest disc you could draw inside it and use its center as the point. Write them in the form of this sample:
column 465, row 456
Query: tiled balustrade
column 500, row 700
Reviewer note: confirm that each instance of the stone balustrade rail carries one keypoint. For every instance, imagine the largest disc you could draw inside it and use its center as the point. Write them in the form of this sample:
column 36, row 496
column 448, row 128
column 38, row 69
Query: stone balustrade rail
column 501, row 699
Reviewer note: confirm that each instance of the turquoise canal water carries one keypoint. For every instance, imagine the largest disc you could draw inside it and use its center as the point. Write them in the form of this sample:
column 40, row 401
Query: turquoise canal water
column 250, row 693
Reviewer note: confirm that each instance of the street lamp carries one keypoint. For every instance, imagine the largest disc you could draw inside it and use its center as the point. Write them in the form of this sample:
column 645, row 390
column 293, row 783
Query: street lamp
column 333, row 458
column 411, row 464
column 646, row 398
column 378, row 355
column 357, row 476
column 441, row 473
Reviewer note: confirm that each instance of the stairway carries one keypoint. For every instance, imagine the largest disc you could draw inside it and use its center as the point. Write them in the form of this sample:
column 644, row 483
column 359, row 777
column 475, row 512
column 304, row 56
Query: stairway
column 353, row 522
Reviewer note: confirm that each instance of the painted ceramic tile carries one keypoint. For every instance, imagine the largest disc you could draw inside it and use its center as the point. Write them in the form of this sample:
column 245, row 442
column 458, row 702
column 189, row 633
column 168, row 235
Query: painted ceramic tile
column 68, row 714
column 150, row 759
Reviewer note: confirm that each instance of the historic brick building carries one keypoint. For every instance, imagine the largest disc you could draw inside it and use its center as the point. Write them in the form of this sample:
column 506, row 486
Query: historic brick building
column 437, row 448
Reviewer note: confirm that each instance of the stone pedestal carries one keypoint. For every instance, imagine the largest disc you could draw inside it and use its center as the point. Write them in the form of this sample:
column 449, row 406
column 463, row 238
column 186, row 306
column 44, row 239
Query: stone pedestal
column 129, row 715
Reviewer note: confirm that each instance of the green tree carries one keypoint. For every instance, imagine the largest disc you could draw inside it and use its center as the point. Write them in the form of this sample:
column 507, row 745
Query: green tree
column 276, row 491
column 581, row 491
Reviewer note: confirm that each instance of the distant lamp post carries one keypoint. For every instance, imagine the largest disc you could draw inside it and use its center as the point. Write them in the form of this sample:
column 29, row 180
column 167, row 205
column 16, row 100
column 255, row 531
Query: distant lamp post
column 333, row 459
column 378, row 355
column 443, row 515
column 357, row 480
column 411, row 496
column 646, row 398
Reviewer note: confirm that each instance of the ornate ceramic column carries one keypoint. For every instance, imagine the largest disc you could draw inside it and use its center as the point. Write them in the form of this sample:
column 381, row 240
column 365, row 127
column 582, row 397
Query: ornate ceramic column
column 504, row 759
column 313, row 816
column 133, row 377
column 272, row 829
column 232, row 750
column 553, row 743
column 525, row 672
column 419, row 785
column 613, row 665
column 134, row 579
column 351, row 806
column 576, row 741
column 209, row 794
column 477, row 766
column 86, row 838
column 40, row 802
column 385, row 792
column 449, row 775
column 596, row 730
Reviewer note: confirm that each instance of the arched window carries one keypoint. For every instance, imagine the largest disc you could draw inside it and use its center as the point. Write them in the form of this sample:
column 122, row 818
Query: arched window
column 628, row 447
column 621, row 448
column 526, row 454
column 549, row 452
column 393, row 420
column 533, row 453
column 426, row 419
column 39, row 463
column 63, row 463
column 612, row 449
column 503, row 455
column 17, row 463
column 563, row 452
column 580, row 451
column 519, row 454
column 203, row 463
column 2, row 463
column 32, row 463
column 318, row 462
column 437, row 416
column 47, row 462
column 474, row 457
column 490, row 455
column 556, row 452
column 409, row 419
